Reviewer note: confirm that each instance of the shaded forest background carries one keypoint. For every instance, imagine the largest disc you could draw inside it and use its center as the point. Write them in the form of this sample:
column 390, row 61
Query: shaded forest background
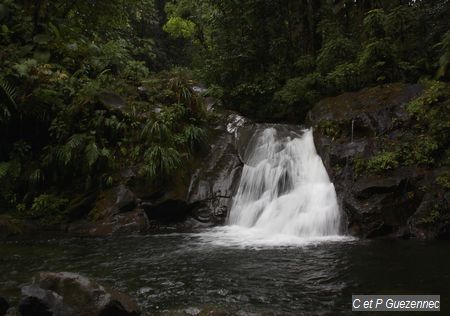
column 88, row 87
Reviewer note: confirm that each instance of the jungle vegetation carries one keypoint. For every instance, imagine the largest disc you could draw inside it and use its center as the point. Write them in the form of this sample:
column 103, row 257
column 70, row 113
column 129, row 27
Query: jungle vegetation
column 60, row 62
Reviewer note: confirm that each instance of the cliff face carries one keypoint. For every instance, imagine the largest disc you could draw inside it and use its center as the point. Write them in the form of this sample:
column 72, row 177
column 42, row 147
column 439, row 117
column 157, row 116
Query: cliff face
column 369, row 142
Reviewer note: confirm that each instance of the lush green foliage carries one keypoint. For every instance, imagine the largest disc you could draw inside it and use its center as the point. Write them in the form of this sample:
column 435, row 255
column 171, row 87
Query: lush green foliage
column 82, row 96
column 274, row 60
column 432, row 115
column 444, row 180
column 383, row 161
column 48, row 209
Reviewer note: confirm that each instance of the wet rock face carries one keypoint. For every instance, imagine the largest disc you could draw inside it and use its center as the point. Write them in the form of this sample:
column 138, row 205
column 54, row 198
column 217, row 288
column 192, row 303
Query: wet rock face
column 214, row 184
column 399, row 201
column 381, row 205
column 66, row 294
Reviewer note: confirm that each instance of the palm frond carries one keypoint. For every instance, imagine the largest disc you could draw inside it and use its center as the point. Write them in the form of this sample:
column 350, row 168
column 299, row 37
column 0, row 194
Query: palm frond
column 156, row 130
column 194, row 137
column 57, row 155
column 161, row 161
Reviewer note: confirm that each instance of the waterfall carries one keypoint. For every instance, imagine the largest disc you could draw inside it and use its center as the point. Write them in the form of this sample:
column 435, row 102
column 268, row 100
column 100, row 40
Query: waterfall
column 284, row 187
column 353, row 127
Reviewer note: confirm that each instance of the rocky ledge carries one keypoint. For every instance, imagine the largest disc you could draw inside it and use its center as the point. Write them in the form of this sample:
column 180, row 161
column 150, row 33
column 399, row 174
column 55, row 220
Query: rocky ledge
column 371, row 146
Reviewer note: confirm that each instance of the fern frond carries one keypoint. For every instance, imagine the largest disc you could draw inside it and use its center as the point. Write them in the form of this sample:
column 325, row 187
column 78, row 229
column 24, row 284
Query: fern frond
column 36, row 177
column 92, row 153
column 63, row 154
column 75, row 141
column 8, row 92
column 54, row 155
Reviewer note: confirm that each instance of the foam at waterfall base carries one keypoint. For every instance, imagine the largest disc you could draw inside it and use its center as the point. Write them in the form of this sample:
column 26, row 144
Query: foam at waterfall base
column 243, row 237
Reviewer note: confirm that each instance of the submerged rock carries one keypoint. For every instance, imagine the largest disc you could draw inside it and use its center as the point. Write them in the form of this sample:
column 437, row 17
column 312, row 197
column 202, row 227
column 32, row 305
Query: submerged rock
column 352, row 128
column 66, row 293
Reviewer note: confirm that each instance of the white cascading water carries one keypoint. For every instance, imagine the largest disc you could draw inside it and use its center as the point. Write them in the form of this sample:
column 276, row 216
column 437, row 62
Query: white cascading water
column 285, row 188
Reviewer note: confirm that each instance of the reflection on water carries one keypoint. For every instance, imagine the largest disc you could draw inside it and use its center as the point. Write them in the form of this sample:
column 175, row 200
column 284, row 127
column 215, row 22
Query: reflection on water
column 212, row 270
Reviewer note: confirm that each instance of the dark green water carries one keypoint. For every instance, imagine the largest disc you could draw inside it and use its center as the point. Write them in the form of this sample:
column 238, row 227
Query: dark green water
column 169, row 273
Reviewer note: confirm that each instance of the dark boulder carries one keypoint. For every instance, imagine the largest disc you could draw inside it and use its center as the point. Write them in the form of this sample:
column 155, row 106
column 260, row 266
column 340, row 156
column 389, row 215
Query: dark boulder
column 67, row 293
column 168, row 211
column 4, row 306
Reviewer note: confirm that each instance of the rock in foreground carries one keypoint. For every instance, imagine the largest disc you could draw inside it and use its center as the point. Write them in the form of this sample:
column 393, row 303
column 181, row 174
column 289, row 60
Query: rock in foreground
column 67, row 294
